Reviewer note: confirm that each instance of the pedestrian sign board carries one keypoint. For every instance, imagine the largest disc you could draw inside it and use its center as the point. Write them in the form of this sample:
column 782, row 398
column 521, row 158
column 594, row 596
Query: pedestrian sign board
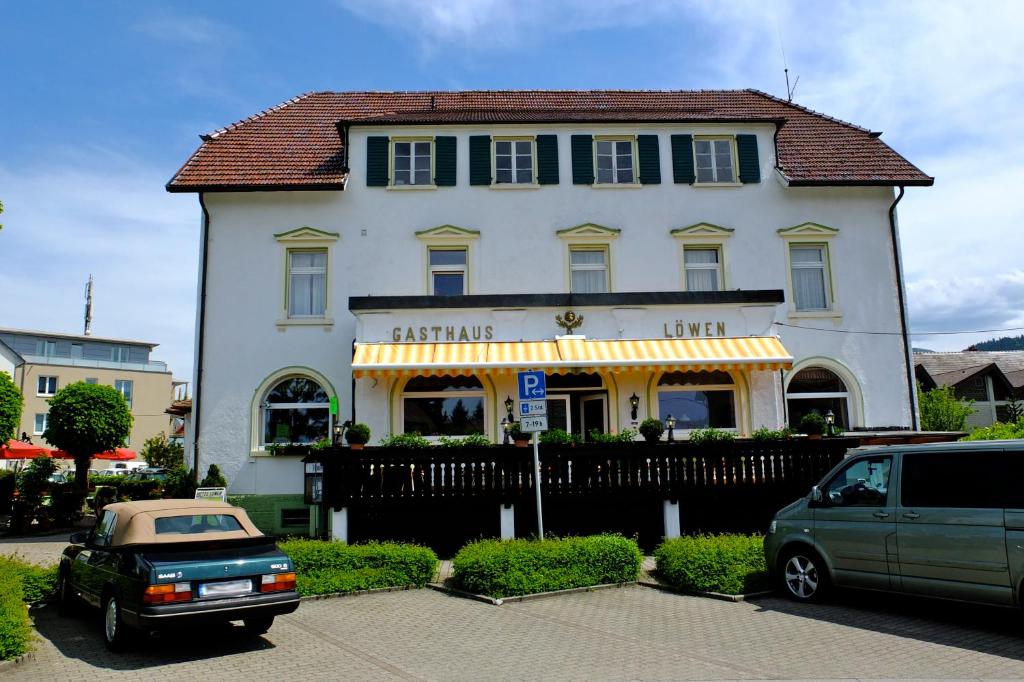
column 533, row 408
column 532, row 385
column 212, row 494
column 533, row 424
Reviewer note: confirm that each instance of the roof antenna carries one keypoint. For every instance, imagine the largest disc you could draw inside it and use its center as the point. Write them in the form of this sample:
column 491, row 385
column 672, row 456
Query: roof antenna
column 785, row 66
column 88, row 307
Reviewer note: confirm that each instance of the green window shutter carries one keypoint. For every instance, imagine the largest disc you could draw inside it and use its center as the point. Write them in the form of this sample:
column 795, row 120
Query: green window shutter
column 547, row 159
column 682, row 160
column 376, row 161
column 649, row 161
column 746, row 152
column 582, row 159
column 480, row 160
column 444, row 161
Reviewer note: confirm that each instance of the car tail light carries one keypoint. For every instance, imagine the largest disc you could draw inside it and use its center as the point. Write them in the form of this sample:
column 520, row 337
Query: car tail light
column 277, row 582
column 165, row 594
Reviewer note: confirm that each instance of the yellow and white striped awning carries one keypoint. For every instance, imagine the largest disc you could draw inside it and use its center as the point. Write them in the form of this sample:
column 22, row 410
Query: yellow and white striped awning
column 567, row 354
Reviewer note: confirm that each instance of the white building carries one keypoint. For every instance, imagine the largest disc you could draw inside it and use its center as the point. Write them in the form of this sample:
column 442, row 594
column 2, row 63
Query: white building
column 722, row 251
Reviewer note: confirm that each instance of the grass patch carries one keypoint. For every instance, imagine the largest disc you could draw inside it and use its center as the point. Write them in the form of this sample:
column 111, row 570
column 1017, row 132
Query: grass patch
column 20, row 584
column 326, row 567
column 509, row 568
column 729, row 564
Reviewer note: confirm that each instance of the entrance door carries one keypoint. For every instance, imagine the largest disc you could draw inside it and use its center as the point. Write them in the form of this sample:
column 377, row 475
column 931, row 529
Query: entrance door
column 593, row 413
column 559, row 414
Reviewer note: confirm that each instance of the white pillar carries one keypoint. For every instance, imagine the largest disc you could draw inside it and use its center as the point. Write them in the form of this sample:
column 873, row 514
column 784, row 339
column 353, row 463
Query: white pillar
column 671, row 515
column 339, row 524
column 508, row 521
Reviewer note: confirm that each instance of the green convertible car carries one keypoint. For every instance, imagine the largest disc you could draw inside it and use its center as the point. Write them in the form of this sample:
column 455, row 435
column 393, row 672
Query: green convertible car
column 157, row 564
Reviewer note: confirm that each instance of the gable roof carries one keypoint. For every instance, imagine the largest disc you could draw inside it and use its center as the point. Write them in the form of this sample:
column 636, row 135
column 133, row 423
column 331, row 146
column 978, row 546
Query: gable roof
column 968, row 363
column 298, row 144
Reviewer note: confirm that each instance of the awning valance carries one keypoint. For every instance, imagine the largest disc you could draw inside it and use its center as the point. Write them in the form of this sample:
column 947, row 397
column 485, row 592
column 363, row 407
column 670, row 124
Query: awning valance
column 567, row 354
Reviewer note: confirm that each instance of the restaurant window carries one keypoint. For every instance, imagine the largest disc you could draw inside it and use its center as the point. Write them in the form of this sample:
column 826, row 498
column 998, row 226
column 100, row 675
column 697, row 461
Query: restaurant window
column 703, row 265
column 588, row 269
column 698, row 400
column 46, row 385
column 615, row 161
column 447, row 271
column 307, row 283
column 513, row 162
column 296, row 411
column 443, row 406
column 817, row 389
column 714, row 158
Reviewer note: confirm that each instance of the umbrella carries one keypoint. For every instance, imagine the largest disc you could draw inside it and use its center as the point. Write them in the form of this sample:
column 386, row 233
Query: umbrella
column 117, row 455
column 15, row 449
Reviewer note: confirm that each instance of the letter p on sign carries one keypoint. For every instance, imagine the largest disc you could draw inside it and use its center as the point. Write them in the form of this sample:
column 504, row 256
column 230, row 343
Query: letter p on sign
column 532, row 386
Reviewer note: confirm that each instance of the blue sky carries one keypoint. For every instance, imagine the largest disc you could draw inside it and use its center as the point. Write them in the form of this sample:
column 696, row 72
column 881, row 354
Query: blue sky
column 102, row 101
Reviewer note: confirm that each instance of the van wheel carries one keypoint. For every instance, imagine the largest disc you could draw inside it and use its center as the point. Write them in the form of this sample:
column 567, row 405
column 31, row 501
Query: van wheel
column 803, row 575
column 257, row 626
column 115, row 635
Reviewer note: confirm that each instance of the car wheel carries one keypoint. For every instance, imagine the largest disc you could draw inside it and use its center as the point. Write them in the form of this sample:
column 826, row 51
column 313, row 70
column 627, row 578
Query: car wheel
column 257, row 626
column 115, row 634
column 66, row 600
column 803, row 575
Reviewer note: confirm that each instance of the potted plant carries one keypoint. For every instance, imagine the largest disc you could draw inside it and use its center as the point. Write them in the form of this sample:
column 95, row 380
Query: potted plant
column 651, row 429
column 357, row 436
column 521, row 438
column 813, row 424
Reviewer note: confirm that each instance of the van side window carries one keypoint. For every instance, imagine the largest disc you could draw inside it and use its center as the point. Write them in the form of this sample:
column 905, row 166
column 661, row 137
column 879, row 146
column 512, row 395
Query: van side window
column 1014, row 479
column 971, row 480
column 864, row 483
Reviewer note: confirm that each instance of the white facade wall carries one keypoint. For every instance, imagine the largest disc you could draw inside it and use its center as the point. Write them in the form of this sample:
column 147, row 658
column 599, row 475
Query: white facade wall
column 518, row 251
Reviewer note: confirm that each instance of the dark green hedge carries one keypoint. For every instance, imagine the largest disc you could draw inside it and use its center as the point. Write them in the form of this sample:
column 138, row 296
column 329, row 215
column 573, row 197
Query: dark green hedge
column 326, row 567
column 508, row 568
column 729, row 564
column 20, row 582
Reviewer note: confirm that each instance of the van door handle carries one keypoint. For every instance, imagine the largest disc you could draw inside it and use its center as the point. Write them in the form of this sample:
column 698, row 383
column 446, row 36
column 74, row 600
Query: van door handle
column 881, row 515
column 911, row 515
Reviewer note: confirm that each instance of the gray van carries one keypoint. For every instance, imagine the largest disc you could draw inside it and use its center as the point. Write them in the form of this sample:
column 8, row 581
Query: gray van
column 943, row 520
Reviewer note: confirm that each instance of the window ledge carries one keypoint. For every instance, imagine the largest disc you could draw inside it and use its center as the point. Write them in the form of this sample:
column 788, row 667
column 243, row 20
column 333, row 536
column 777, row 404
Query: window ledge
column 834, row 314
column 515, row 185
column 306, row 322
column 718, row 184
column 410, row 188
column 616, row 185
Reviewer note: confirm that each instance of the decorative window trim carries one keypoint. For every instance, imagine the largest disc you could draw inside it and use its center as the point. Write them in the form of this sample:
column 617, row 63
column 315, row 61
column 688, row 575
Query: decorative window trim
column 449, row 237
column 735, row 161
column 305, row 239
column 634, row 157
column 533, row 184
column 707, row 236
column 812, row 234
column 256, row 448
column 589, row 233
column 604, row 247
column 391, row 163
column 855, row 397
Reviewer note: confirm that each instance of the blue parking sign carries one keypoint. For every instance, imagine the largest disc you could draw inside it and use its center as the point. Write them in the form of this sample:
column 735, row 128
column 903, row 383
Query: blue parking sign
column 532, row 386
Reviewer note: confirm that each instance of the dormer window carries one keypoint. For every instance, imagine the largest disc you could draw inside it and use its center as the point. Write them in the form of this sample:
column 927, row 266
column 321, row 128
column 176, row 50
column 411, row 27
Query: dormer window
column 413, row 162
column 715, row 158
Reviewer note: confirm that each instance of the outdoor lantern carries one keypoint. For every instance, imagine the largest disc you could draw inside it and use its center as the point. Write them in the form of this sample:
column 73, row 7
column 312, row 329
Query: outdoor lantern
column 506, row 427
column 634, row 403
column 509, row 404
column 337, row 433
column 830, row 423
column 670, row 424
column 314, row 483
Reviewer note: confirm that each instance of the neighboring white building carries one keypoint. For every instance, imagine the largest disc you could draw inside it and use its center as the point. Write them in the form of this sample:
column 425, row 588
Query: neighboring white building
column 722, row 252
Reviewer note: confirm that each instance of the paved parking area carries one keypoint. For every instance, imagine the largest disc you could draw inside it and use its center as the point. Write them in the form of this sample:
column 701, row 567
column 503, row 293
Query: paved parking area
column 621, row 634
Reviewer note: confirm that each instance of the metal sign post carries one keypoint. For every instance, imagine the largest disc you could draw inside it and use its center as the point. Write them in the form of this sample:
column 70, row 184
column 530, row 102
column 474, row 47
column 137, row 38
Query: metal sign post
column 534, row 418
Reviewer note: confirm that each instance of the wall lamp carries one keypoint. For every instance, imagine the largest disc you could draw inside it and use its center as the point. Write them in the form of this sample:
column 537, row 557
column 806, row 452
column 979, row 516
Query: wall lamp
column 509, row 403
column 634, row 404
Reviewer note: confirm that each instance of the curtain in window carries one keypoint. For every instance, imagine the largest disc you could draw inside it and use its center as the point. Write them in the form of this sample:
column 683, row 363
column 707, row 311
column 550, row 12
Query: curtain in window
column 589, row 272
column 701, row 269
column 809, row 278
column 308, row 290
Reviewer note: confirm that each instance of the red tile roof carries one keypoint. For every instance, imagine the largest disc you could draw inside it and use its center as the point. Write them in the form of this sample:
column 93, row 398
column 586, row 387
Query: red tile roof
column 297, row 144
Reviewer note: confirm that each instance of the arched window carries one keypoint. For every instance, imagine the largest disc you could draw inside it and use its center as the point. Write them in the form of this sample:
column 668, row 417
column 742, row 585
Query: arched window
column 698, row 400
column 816, row 389
column 296, row 410
column 443, row 406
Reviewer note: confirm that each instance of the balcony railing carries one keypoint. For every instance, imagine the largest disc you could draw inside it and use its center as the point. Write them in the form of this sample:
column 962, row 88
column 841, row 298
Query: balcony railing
column 152, row 366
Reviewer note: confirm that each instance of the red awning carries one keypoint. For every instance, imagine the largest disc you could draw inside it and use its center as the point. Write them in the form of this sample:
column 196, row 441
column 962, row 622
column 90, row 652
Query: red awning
column 117, row 455
column 15, row 449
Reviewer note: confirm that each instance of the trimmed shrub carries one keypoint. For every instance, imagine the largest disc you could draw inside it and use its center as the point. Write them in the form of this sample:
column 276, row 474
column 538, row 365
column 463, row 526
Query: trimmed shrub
column 507, row 568
column 15, row 626
column 813, row 424
column 710, row 436
column 651, row 429
column 326, row 567
column 214, row 478
column 357, row 434
column 38, row 582
column 404, row 440
column 559, row 437
column 730, row 564
column 766, row 435
column 622, row 437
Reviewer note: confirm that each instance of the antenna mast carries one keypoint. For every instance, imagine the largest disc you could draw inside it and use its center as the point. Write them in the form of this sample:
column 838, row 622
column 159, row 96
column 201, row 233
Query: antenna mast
column 88, row 307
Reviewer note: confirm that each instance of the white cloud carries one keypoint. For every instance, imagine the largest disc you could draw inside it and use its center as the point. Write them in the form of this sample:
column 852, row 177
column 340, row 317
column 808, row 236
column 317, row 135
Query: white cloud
column 959, row 303
column 97, row 212
column 179, row 28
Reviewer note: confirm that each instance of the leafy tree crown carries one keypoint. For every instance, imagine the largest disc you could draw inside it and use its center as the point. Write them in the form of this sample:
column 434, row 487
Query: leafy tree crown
column 11, row 402
column 88, row 418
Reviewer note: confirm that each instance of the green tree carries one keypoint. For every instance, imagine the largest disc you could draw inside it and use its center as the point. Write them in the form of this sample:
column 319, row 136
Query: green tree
column 159, row 452
column 86, row 419
column 941, row 410
column 11, row 402
column 214, row 478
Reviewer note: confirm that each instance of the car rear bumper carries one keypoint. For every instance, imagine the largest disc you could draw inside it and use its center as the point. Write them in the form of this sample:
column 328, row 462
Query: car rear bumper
column 236, row 608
